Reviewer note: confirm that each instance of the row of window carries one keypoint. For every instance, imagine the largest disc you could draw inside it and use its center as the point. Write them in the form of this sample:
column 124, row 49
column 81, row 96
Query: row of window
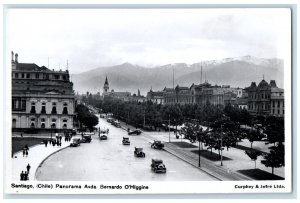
column 259, row 96
column 43, row 121
column 38, row 76
column 53, row 111
column 278, row 112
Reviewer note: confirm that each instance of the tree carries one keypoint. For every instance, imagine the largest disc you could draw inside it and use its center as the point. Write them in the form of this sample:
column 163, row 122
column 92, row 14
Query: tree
column 275, row 158
column 254, row 135
column 253, row 154
column 85, row 117
column 275, row 129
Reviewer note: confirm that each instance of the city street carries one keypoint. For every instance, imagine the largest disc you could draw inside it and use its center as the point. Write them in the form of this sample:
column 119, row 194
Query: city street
column 110, row 160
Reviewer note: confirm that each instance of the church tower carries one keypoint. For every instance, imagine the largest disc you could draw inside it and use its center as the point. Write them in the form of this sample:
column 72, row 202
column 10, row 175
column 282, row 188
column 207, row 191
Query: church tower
column 106, row 86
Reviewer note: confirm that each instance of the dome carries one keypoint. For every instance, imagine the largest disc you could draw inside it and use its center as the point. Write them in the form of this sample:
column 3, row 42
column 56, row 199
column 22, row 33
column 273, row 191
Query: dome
column 263, row 84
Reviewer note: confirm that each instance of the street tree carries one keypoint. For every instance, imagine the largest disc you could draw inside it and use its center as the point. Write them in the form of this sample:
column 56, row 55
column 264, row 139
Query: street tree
column 253, row 154
column 275, row 158
column 275, row 129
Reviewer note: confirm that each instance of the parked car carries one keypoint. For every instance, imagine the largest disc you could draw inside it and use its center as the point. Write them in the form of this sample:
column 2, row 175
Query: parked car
column 136, row 132
column 157, row 145
column 157, row 166
column 126, row 141
column 109, row 120
column 116, row 123
column 138, row 152
column 103, row 137
column 86, row 139
column 75, row 142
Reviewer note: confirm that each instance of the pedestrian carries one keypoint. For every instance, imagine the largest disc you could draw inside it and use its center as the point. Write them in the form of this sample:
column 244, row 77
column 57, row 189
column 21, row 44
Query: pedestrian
column 28, row 168
column 26, row 147
column 60, row 138
column 23, row 152
column 22, row 176
column 21, row 134
column 46, row 143
column 26, row 152
column 25, row 175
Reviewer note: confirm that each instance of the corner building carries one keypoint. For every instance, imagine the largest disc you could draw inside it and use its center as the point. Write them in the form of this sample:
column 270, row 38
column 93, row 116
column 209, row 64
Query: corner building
column 42, row 99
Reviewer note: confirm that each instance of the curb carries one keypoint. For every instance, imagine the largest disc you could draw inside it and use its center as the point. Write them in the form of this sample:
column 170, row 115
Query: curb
column 205, row 171
column 47, row 158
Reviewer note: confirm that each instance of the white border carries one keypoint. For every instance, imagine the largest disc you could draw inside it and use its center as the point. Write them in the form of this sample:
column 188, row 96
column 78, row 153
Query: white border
column 208, row 187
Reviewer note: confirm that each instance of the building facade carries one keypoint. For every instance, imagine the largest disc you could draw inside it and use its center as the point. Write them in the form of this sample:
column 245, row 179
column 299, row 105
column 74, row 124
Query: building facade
column 41, row 98
column 265, row 99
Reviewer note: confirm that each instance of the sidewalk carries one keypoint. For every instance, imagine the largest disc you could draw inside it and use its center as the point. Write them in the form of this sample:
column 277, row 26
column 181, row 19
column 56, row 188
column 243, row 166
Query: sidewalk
column 36, row 155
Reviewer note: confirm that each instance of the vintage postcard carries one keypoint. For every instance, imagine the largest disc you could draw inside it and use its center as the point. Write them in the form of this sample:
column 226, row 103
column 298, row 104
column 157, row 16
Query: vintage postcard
column 148, row 100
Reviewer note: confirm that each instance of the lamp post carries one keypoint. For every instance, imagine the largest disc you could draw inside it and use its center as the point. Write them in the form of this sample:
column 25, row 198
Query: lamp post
column 221, row 145
column 51, row 130
column 169, row 130
column 199, row 161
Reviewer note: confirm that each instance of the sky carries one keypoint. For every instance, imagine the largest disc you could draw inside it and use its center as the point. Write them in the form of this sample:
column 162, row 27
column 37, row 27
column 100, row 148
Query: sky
column 91, row 38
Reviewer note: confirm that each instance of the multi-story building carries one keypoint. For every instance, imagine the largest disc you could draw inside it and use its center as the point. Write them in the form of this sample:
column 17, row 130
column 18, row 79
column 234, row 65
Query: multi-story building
column 156, row 96
column 265, row 99
column 41, row 98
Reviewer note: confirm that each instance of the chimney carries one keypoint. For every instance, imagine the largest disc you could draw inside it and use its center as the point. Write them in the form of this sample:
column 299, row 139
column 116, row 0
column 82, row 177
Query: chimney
column 12, row 56
column 16, row 58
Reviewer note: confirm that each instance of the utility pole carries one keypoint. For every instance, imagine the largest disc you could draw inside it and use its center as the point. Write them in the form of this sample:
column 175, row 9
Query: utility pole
column 169, row 130
column 144, row 118
column 199, row 163
column 221, row 145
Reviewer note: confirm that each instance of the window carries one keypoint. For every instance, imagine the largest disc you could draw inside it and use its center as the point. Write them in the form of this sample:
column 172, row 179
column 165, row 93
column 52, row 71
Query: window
column 278, row 104
column 32, row 123
column 27, row 75
column 53, row 123
column 23, row 75
column 53, row 108
column 278, row 111
column 43, row 107
column 32, row 108
column 65, row 109
column 43, row 123
column 16, row 75
column 14, row 123
column 37, row 76
column 56, row 77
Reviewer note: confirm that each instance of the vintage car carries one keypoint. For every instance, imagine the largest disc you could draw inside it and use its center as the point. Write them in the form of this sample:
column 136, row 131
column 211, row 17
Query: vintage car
column 135, row 132
column 157, row 166
column 157, row 145
column 126, row 141
column 75, row 142
column 138, row 152
column 116, row 123
column 86, row 139
column 104, row 131
column 103, row 136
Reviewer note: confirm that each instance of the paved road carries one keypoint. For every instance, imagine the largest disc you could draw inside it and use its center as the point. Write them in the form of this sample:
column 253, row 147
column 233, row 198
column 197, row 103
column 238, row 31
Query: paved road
column 109, row 160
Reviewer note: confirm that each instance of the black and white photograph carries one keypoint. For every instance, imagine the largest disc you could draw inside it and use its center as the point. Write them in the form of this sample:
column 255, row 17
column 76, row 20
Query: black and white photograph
column 148, row 100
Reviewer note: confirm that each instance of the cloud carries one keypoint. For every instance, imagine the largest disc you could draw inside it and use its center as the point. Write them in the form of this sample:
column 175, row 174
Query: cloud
column 90, row 38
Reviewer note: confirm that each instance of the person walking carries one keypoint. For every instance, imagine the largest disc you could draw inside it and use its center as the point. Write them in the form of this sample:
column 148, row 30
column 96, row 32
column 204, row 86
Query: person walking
column 25, row 176
column 28, row 168
column 22, row 176
column 26, row 152
column 23, row 152
column 26, row 147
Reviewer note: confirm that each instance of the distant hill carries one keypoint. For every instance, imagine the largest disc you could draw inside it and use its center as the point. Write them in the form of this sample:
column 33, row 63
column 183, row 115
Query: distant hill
column 237, row 72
